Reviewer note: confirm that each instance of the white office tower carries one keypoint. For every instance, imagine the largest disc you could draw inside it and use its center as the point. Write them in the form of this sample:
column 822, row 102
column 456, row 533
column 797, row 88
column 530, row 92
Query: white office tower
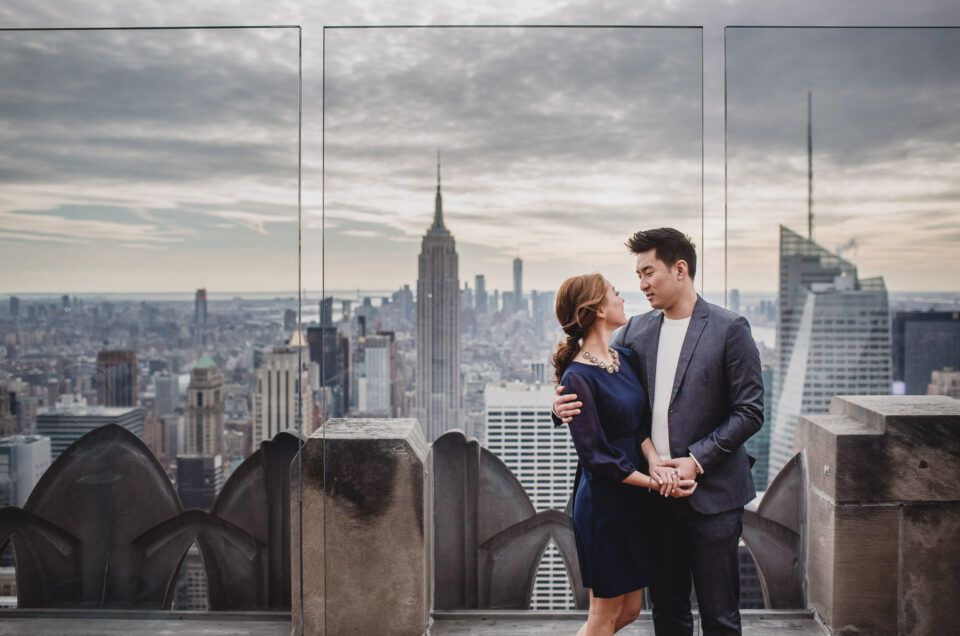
column 439, row 398
column 275, row 393
column 520, row 432
column 23, row 460
column 376, row 386
column 833, row 338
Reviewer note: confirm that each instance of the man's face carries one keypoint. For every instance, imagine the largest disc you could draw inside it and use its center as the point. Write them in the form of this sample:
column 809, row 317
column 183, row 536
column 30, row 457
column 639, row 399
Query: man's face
column 657, row 281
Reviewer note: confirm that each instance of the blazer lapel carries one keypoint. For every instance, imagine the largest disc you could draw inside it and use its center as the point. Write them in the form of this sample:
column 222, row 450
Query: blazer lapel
column 697, row 322
column 650, row 341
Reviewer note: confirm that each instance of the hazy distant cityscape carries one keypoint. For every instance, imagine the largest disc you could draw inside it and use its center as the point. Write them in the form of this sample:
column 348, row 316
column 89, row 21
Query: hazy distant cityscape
column 202, row 379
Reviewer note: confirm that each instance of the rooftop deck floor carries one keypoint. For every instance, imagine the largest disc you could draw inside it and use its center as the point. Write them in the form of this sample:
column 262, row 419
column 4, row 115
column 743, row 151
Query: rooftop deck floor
column 77, row 623
column 755, row 623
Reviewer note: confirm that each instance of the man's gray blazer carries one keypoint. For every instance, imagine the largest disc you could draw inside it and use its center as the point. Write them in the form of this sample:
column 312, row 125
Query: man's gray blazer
column 717, row 398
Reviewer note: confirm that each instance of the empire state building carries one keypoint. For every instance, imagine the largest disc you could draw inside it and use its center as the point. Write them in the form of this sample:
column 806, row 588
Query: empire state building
column 439, row 401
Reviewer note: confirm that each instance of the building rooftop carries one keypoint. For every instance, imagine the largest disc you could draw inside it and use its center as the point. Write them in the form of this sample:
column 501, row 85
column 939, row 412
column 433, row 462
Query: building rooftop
column 17, row 440
column 205, row 362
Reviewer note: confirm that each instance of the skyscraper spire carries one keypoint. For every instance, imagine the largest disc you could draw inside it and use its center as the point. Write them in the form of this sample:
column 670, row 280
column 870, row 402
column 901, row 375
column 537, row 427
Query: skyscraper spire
column 438, row 204
column 810, row 165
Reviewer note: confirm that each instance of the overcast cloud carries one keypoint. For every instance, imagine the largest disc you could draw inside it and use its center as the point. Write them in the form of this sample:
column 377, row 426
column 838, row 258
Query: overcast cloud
column 174, row 152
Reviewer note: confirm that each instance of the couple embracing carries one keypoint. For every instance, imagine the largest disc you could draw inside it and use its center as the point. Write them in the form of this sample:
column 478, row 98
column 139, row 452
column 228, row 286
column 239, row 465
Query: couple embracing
column 659, row 407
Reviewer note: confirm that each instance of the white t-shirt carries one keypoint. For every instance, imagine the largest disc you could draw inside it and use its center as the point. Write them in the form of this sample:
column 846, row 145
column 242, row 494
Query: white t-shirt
column 672, row 333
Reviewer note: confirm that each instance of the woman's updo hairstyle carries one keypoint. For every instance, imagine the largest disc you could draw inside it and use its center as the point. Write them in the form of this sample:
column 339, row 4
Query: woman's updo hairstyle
column 578, row 301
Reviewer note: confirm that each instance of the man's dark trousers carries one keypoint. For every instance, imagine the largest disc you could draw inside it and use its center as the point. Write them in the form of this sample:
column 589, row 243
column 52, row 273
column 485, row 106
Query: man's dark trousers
column 706, row 546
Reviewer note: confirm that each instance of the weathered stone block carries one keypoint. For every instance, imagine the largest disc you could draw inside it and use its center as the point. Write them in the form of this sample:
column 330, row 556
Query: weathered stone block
column 366, row 529
column 866, row 568
column 907, row 450
column 820, row 553
column 883, row 515
column 931, row 569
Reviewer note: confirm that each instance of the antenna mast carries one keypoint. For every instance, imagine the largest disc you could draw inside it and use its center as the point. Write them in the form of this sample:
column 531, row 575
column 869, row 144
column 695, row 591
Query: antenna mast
column 810, row 165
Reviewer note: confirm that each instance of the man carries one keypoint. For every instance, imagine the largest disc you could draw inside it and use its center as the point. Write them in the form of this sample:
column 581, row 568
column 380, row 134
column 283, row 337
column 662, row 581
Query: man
column 701, row 370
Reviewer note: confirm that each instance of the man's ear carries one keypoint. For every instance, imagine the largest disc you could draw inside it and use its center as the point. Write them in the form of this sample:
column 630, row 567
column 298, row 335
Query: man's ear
column 682, row 269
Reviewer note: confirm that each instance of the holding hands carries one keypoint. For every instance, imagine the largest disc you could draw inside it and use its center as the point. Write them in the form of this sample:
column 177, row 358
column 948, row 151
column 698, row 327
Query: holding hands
column 676, row 477
column 672, row 481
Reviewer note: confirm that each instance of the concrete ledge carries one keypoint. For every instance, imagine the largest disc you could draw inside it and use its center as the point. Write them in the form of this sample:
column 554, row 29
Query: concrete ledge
column 154, row 615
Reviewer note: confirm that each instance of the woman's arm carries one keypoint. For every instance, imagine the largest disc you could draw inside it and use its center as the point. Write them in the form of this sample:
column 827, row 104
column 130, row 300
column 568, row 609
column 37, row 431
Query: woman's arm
column 597, row 455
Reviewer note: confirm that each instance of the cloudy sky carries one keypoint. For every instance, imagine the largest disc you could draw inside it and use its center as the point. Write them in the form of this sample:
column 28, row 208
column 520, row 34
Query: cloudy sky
column 166, row 160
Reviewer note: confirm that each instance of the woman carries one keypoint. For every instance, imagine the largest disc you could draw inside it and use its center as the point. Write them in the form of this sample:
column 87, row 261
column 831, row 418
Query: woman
column 612, row 438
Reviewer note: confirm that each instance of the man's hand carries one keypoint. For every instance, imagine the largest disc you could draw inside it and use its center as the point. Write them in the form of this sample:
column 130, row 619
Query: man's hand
column 684, row 465
column 565, row 407
column 686, row 488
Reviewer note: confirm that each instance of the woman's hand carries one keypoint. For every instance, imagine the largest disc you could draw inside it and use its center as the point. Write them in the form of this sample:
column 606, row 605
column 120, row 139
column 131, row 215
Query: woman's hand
column 667, row 477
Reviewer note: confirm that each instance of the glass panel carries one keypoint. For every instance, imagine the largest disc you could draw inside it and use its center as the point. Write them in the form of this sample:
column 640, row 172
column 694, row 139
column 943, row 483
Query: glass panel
column 842, row 172
column 467, row 173
column 148, row 258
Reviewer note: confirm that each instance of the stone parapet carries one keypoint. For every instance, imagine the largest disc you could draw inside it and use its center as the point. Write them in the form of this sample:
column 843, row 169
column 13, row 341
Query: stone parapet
column 367, row 515
column 883, row 514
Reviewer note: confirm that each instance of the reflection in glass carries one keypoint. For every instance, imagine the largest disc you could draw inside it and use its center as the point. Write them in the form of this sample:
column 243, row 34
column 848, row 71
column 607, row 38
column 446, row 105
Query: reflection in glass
column 148, row 235
column 467, row 173
column 842, row 172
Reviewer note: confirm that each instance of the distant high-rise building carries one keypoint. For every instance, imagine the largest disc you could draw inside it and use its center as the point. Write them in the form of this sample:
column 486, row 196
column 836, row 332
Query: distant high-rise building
column 327, row 352
column 117, row 378
column 14, row 307
column 8, row 411
column 945, row 382
column 167, row 390
column 517, row 284
column 289, row 320
column 199, row 480
column 758, row 446
column 403, row 301
column 191, row 588
column 439, row 401
column 480, row 294
column 200, row 307
column 203, row 433
column 380, row 366
column 751, row 591
column 923, row 342
column 27, row 408
column 23, row 459
column 735, row 301
column 466, row 297
column 277, row 389
column 833, row 338
column 326, row 312
column 519, row 431
column 71, row 418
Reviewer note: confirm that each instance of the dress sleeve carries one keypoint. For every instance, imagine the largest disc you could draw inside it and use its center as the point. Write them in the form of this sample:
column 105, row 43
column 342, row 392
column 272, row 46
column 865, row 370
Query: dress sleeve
column 595, row 452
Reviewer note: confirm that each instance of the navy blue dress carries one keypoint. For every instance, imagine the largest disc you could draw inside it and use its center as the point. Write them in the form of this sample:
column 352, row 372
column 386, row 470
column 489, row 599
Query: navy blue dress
column 610, row 518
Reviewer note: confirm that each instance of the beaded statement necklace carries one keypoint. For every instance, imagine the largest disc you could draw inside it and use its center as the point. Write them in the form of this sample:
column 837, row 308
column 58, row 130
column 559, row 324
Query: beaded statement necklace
column 613, row 367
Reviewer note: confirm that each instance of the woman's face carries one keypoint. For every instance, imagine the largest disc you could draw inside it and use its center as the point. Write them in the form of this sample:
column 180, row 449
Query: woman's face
column 613, row 307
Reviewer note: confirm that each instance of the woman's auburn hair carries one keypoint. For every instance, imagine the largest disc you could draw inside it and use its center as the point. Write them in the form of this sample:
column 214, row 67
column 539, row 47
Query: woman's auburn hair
column 578, row 301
